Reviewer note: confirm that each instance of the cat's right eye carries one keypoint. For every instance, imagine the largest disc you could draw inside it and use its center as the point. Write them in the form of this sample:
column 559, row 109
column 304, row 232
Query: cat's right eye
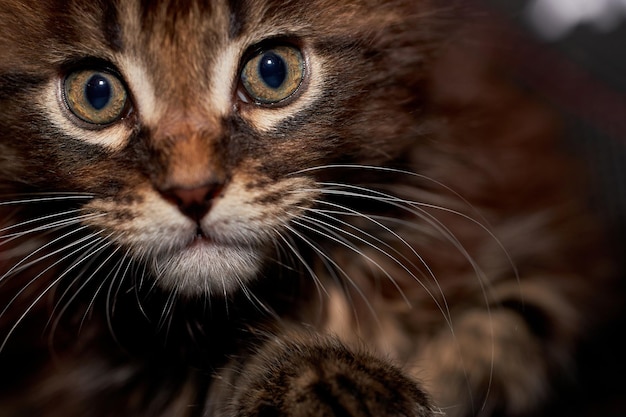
column 95, row 97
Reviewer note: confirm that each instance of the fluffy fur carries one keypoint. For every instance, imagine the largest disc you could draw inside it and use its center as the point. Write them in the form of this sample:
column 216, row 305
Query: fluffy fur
column 402, row 236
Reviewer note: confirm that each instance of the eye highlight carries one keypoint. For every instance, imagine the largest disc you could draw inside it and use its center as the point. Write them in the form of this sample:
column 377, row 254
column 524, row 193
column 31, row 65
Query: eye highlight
column 274, row 74
column 95, row 97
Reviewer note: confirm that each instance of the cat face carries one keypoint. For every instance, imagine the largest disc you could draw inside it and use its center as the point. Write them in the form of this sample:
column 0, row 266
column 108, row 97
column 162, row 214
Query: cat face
column 194, row 132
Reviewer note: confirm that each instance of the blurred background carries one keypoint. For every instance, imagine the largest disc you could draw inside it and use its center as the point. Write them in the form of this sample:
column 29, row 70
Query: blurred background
column 572, row 54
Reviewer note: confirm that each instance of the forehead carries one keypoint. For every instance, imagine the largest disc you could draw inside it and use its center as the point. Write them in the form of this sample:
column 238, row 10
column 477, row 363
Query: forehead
column 171, row 48
column 60, row 28
column 177, row 19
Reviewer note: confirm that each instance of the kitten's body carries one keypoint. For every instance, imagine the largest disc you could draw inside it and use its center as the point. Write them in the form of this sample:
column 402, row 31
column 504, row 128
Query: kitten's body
column 394, row 206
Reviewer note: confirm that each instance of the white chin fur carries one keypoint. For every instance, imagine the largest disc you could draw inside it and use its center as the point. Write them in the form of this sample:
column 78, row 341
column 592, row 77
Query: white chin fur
column 207, row 269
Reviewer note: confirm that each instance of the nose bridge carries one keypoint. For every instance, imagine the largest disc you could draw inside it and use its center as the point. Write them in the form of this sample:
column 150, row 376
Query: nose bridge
column 178, row 123
column 187, row 144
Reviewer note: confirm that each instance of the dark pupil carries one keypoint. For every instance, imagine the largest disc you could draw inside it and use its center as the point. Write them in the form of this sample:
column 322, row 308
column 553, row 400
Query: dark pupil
column 98, row 92
column 272, row 70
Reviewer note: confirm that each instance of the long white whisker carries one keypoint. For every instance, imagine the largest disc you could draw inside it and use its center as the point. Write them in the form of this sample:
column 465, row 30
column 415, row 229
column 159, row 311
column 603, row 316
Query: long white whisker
column 25, row 287
column 165, row 321
column 136, row 290
column 341, row 270
column 90, row 253
column 21, row 265
column 327, row 263
column 91, row 276
column 330, row 268
column 443, row 309
column 397, row 171
column 330, row 234
column 47, row 199
column 94, row 241
column 319, row 285
column 447, row 315
column 48, row 227
column 421, row 205
column 254, row 300
column 37, row 220
column 111, row 297
column 330, row 214
column 427, row 217
column 487, row 305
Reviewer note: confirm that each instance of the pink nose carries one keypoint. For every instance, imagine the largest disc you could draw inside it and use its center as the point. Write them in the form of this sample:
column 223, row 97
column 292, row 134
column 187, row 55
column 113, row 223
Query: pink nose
column 195, row 202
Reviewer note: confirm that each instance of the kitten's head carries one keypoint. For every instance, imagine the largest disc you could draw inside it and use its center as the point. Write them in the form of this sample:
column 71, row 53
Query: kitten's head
column 196, row 130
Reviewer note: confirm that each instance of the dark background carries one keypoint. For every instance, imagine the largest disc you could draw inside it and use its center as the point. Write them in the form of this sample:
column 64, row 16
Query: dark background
column 582, row 75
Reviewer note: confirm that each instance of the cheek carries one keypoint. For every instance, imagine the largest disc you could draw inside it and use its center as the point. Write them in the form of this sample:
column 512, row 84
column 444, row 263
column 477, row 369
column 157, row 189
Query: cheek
column 256, row 208
column 136, row 217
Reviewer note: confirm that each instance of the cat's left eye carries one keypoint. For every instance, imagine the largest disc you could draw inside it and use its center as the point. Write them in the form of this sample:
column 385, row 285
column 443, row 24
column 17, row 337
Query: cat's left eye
column 274, row 74
column 95, row 97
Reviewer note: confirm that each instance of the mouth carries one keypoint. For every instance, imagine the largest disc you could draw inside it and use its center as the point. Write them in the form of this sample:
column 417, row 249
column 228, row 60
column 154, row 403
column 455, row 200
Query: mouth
column 205, row 240
column 200, row 238
column 200, row 234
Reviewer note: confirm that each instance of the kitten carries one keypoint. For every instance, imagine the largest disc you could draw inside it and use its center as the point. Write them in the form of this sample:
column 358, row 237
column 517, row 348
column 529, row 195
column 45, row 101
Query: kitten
column 262, row 208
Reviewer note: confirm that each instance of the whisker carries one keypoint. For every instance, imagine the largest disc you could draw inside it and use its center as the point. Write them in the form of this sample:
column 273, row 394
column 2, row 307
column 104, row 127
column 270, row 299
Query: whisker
column 91, row 276
column 330, row 234
column 47, row 199
column 397, row 171
column 321, row 253
column 21, row 265
column 344, row 286
column 136, row 290
column 318, row 283
column 254, row 300
column 91, row 253
column 484, row 223
column 421, row 205
column 111, row 297
column 428, row 218
column 4, row 239
column 165, row 321
column 95, row 239
column 445, row 311
column 420, row 211
column 37, row 220
column 350, row 212
column 487, row 304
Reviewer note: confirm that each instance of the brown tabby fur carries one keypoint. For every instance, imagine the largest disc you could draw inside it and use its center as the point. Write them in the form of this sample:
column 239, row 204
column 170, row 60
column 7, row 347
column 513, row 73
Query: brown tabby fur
column 478, row 281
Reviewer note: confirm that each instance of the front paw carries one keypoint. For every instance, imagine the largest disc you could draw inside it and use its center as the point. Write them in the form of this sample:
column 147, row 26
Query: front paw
column 321, row 378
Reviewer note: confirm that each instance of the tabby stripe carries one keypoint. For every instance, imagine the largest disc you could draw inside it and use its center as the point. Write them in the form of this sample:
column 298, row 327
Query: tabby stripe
column 325, row 393
column 15, row 83
column 238, row 15
column 110, row 25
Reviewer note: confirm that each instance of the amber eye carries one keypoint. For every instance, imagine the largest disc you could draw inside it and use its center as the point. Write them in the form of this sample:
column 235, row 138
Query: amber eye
column 95, row 97
column 273, row 74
